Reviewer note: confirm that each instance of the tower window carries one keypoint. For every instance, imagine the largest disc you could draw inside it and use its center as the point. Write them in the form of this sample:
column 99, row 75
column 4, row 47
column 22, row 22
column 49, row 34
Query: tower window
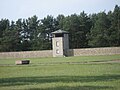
column 57, row 44
column 59, row 35
column 57, row 51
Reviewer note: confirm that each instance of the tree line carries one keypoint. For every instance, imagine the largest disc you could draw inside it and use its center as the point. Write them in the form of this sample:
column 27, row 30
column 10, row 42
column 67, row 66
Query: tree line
column 93, row 30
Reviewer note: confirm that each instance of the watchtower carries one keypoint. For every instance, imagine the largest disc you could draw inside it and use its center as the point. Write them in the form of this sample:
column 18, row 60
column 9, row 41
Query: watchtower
column 60, row 43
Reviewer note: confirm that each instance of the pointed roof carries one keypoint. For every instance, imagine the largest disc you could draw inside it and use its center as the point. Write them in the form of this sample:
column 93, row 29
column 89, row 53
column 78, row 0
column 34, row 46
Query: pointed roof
column 60, row 31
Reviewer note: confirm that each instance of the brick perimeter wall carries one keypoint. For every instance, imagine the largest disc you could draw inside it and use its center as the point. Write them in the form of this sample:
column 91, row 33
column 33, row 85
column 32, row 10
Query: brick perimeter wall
column 95, row 51
column 27, row 54
column 72, row 52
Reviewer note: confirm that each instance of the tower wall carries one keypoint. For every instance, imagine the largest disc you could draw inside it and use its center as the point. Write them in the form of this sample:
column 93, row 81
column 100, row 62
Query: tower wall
column 57, row 47
column 65, row 44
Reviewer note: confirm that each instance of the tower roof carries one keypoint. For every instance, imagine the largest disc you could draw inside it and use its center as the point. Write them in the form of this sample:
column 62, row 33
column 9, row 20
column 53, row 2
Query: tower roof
column 60, row 31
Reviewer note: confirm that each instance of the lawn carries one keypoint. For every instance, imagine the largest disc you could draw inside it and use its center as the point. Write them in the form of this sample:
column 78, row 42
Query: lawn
column 68, row 73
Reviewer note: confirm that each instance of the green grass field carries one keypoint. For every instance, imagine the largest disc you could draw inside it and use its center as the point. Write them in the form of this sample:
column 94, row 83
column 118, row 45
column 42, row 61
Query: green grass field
column 68, row 73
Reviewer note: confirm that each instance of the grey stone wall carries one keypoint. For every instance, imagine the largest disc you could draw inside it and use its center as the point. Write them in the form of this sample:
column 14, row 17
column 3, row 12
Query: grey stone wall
column 95, row 51
column 27, row 54
column 72, row 52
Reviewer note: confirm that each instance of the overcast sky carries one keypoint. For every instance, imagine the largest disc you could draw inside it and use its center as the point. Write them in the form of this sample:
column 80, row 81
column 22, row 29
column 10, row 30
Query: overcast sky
column 15, row 9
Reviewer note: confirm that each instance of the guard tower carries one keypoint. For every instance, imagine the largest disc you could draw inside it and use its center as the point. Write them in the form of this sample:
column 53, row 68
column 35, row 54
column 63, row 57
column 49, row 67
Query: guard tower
column 60, row 43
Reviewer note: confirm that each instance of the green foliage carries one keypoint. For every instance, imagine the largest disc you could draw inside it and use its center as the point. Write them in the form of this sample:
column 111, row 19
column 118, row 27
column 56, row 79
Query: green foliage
column 99, row 33
column 95, row 30
column 106, row 29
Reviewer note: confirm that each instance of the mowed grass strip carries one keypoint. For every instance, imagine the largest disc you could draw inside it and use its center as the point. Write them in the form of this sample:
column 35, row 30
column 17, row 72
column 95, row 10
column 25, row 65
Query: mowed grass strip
column 61, row 76
column 35, row 61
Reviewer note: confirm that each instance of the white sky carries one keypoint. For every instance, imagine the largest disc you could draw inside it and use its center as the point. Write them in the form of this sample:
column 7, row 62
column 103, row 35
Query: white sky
column 15, row 9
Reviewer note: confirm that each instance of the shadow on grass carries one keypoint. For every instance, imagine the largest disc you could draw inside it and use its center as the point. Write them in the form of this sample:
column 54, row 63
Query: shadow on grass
column 55, row 79
column 75, row 88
